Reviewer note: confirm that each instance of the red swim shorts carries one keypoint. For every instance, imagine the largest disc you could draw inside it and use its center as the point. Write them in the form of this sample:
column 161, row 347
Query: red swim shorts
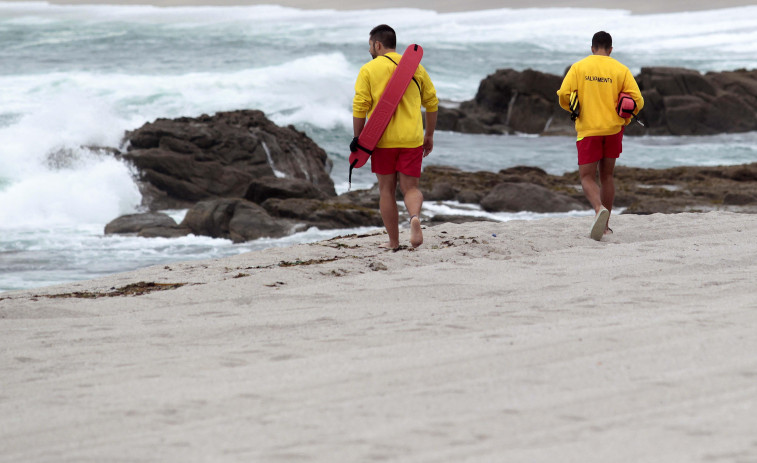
column 592, row 149
column 386, row 161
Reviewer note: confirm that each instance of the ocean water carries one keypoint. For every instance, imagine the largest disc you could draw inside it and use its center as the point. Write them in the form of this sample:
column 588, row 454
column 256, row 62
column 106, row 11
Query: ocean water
column 77, row 76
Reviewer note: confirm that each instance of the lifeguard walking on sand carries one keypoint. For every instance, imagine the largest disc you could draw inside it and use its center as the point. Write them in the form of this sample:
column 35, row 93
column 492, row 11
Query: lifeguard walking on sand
column 590, row 92
column 400, row 151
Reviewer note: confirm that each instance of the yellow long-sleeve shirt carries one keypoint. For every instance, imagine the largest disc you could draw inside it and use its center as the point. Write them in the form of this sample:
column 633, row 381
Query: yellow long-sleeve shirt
column 405, row 130
column 599, row 80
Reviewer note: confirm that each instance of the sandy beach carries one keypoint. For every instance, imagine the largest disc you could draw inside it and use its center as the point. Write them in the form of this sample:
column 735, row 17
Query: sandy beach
column 517, row 341
column 639, row 6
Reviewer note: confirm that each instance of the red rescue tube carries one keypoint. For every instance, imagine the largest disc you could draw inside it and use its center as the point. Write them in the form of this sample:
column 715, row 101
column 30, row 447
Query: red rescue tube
column 386, row 106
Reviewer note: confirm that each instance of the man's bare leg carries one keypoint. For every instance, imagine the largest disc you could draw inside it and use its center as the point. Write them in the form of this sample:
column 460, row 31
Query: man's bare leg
column 388, row 208
column 413, row 203
column 588, row 174
column 607, row 187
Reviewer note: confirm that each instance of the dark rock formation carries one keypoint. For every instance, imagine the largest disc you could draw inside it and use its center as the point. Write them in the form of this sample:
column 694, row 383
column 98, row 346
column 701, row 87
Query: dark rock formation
column 639, row 191
column 682, row 189
column 236, row 219
column 364, row 198
column 442, row 191
column 148, row 225
column 186, row 160
column 472, row 187
column 684, row 102
column 265, row 188
column 677, row 102
column 240, row 176
column 510, row 101
column 240, row 220
column 514, row 197
column 325, row 215
column 440, row 219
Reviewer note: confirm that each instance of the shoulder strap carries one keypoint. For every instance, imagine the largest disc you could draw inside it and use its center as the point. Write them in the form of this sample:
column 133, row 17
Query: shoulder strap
column 416, row 82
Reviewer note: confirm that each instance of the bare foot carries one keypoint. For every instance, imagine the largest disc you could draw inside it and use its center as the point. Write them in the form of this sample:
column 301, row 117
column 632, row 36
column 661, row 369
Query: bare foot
column 416, row 234
column 389, row 246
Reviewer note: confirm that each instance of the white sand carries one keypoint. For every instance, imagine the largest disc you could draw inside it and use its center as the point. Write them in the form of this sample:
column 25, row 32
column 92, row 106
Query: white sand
column 534, row 345
column 636, row 6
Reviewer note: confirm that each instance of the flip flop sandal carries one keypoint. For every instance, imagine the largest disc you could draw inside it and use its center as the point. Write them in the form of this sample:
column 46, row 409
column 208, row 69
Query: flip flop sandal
column 600, row 224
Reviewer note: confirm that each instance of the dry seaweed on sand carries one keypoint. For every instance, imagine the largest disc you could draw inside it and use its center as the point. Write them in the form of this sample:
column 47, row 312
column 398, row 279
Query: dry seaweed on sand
column 295, row 263
column 133, row 289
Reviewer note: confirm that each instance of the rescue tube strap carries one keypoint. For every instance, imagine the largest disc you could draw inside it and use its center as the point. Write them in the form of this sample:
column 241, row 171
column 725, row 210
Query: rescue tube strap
column 349, row 181
column 366, row 150
column 416, row 82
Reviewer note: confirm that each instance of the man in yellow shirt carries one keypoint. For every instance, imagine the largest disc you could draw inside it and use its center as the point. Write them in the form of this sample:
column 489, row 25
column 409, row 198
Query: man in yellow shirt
column 598, row 81
column 399, row 154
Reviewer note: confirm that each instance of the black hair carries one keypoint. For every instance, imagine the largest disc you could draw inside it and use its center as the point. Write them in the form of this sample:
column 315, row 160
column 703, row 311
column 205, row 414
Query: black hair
column 601, row 40
column 385, row 35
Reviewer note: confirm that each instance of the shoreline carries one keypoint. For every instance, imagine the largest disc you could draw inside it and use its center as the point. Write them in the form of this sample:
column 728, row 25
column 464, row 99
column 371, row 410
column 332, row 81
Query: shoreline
column 487, row 343
column 441, row 6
